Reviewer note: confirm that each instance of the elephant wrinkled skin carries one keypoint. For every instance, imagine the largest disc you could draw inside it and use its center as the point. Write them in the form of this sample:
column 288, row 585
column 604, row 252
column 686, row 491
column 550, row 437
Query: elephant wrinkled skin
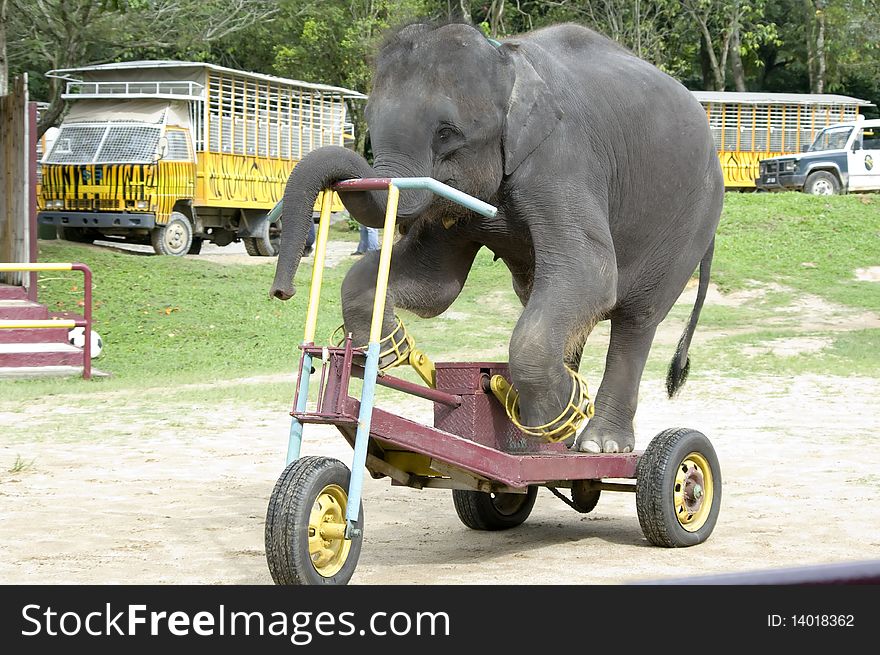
column 608, row 188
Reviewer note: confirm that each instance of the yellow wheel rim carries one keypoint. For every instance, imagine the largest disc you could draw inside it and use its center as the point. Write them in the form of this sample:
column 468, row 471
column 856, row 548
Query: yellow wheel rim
column 328, row 547
column 693, row 491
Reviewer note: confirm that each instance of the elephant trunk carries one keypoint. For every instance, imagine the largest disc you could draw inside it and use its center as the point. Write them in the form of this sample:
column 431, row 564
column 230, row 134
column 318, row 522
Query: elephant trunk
column 318, row 170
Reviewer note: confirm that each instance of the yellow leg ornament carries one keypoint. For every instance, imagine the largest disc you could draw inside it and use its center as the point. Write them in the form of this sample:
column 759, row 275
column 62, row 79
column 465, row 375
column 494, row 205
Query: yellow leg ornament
column 399, row 348
column 578, row 410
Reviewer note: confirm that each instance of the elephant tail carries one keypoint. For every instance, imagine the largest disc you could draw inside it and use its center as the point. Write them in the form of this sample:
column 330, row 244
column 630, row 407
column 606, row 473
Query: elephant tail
column 681, row 363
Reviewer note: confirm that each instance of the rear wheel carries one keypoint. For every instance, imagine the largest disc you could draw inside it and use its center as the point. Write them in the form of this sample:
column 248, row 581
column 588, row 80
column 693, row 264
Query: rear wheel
column 261, row 247
column 822, row 183
column 196, row 246
column 76, row 234
column 493, row 511
column 678, row 489
column 175, row 238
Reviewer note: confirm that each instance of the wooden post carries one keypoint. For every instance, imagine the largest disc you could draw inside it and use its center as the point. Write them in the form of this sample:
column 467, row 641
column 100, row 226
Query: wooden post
column 16, row 159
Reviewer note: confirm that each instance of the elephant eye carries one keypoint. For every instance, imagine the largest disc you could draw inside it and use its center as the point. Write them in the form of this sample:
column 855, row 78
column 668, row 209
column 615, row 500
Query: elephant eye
column 445, row 133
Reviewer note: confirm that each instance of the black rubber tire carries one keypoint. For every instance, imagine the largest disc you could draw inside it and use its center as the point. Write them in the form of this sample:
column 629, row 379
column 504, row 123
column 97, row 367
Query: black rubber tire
column 174, row 238
column 287, row 522
column 76, row 234
column 820, row 178
column 490, row 511
column 250, row 246
column 196, row 246
column 259, row 247
column 584, row 498
column 655, row 484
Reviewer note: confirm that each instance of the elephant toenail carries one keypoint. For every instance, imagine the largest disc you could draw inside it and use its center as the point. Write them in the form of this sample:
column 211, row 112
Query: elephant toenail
column 611, row 446
column 627, row 449
column 590, row 447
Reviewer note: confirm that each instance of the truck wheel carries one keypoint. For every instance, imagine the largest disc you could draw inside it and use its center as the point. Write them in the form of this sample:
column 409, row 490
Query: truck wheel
column 196, row 246
column 260, row 247
column 174, row 238
column 822, row 183
column 76, row 234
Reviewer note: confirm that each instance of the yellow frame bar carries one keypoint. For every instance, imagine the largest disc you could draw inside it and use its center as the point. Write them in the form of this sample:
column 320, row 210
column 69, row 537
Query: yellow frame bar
column 384, row 264
column 6, row 268
column 29, row 325
column 318, row 268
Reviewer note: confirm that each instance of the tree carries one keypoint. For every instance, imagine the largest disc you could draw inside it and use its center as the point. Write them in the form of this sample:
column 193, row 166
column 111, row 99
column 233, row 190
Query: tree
column 815, row 33
column 56, row 34
column 332, row 41
column 4, row 65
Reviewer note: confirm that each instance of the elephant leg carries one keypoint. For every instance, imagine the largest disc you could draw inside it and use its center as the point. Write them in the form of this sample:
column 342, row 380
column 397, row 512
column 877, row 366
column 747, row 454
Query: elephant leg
column 611, row 428
column 428, row 270
column 574, row 287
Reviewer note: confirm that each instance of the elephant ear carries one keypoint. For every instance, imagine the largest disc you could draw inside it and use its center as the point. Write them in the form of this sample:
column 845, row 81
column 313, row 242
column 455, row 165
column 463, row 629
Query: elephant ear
column 532, row 112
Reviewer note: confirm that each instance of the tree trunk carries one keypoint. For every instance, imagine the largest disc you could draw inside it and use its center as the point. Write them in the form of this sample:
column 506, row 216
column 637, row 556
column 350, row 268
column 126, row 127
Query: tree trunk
column 809, row 31
column 461, row 11
column 736, row 64
column 4, row 63
column 496, row 17
column 820, row 51
column 706, row 68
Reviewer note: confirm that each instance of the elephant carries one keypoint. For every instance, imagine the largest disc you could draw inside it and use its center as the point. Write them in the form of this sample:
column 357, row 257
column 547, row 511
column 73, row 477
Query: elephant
column 609, row 193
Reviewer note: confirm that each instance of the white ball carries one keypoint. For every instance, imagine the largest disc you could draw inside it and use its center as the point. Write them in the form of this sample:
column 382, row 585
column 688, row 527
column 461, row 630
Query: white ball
column 76, row 336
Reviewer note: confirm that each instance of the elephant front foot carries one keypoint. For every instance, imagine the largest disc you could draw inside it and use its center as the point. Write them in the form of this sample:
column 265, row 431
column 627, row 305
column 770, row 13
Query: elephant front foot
column 394, row 348
column 565, row 426
column 601, row 436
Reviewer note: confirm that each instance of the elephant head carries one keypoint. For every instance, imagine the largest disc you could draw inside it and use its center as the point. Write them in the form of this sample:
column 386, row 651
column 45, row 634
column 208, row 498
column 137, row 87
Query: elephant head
column 446, row 103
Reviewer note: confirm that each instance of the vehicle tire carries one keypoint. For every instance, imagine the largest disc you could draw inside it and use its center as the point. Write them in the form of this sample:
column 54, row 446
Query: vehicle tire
column 583, row 497
column 261, row 247
column 493, row 511
column 822, row 183
column 76, row 234
column 678, row 489
column 311, row 493
column 196, row 246
column 174, row 238
column 250, row 246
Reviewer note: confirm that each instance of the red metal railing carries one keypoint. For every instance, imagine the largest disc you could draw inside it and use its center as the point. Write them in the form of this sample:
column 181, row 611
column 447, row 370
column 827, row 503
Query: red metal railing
column 85, row 322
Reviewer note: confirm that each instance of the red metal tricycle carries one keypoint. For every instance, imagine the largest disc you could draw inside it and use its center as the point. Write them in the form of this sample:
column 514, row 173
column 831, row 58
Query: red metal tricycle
column 475, row 447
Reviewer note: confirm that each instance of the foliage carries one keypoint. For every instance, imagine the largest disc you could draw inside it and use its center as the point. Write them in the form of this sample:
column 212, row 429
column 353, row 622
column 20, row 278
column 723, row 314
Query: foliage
column 58, row 34
column 783, row 45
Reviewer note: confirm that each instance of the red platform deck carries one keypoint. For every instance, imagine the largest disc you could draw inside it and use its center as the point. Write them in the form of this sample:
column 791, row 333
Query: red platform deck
column 471, row 431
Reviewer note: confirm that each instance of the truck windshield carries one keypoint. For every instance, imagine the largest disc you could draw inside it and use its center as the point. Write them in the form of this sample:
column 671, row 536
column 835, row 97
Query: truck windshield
column 90, row 143
column 832, row 138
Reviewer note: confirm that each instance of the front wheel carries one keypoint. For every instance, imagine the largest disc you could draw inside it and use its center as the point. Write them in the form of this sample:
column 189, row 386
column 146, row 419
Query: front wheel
column 305, row 525
column 678, row 489
column 493, row 511
column 822, row 183
column 175, row 238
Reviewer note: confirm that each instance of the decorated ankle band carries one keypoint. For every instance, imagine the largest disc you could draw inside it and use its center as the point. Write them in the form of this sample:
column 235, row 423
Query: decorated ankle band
column 578, row 410
column 394, row 349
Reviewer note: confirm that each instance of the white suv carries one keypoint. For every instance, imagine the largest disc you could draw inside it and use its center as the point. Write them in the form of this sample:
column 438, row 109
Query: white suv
column 844, row 158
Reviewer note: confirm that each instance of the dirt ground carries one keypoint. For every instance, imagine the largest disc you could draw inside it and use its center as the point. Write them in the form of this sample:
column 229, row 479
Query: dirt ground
column 122, row 489
column 134, row 499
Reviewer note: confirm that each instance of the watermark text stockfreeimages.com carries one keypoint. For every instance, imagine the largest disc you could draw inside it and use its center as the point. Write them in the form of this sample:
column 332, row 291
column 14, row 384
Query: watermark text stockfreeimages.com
column 299, row 627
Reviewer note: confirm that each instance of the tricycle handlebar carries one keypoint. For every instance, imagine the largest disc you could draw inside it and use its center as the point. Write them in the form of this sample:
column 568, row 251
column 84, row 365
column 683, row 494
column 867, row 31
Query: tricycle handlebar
column 419, row 183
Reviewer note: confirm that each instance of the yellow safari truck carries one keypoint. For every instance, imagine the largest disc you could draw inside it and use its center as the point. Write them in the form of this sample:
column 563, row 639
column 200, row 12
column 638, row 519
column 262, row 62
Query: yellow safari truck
column 749, row 127
column 175, row 153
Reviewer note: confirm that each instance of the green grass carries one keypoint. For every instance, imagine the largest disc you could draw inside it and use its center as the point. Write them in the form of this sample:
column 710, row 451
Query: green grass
column 171, row 321
column 809, row 243
column 20, row 465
